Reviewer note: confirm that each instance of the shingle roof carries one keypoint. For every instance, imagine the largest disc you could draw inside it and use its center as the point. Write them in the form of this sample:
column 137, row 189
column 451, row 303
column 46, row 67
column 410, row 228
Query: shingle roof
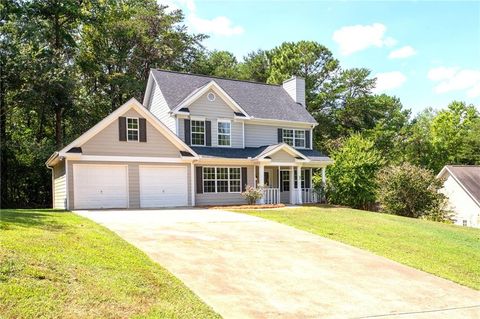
column 469, row 177
column 249, row 152
column 259, row 100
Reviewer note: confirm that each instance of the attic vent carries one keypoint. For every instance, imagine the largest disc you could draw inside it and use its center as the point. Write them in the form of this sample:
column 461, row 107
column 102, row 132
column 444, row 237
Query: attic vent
column 211, row 96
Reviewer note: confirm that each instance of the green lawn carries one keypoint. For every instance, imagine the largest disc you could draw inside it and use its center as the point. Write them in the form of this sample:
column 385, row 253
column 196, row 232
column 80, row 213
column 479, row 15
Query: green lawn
column 447, row 251
column 60, row 265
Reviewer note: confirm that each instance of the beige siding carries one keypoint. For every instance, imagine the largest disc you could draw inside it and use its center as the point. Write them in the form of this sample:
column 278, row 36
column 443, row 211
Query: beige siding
column 158, row 106
column 133, row 179
column 224, row 198
column 106, row 142
column 59, row 186
column 282, row 156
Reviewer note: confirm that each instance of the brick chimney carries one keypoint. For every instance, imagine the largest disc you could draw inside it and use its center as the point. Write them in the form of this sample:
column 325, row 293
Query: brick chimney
column 295, row 87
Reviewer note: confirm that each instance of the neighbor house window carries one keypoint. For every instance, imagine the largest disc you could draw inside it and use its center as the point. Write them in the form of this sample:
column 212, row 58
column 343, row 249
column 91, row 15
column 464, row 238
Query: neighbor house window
column 198, row 132
column 224, row 133
column 465, row 223
column 295, row 138
column 132, row 129
column 221, row 180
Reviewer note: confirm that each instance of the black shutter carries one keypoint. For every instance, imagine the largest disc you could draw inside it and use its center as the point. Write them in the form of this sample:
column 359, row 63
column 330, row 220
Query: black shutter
column 307, row 178
column 143, row 130
column 208, row 133
column 244, row 178
column 122, row 129
column 186, row 129
column 307, row 139
column 199, row 179
column 280, row 135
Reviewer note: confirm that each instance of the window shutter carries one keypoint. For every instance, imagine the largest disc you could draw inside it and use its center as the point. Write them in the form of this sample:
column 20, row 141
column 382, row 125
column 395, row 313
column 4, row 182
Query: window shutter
column 199, row 179
column 186, row 129
column 208, row 133
column 244, row 178
column 307, row 139
column 307, row 178
column 122, row 129
column 280, row 135
column 142, row 125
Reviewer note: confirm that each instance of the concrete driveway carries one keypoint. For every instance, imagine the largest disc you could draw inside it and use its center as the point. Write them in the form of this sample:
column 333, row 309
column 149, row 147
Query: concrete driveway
column 247, row 267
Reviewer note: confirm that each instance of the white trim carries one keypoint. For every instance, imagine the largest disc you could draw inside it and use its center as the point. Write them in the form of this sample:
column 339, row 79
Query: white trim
column 192, row 184
column 288, row 123
column 243, row 134
column 132, row 103
column 283, row 146
column 146, row 159
column 131, row 129
column 294, row 139
column 204, row 132
column 148, row 90
column 217, row 89
column 445, row 168
column 229, row 134
column 68, row 185
column 197, row 118
column 311, row 139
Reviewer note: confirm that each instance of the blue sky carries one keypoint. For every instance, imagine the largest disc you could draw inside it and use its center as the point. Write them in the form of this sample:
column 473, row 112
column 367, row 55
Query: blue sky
column 425, row 52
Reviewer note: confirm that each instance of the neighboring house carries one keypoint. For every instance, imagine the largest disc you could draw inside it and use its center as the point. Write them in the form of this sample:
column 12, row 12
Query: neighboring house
column 462, row 187
column 196, row 140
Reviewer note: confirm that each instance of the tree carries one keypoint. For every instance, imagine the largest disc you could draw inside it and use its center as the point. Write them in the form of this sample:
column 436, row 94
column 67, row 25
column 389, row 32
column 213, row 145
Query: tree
column 411, row 191
column 255, row 67
column 351, row 179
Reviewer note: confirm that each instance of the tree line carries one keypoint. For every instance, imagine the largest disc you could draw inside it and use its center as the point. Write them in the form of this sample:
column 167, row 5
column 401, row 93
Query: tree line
column 66, row 64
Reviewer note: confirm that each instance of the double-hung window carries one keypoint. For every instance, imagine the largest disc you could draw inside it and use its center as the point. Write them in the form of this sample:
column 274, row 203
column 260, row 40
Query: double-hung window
column 295, row 138
column 224, row 133
column 197, row 129
column 132, row 129
column 285, row 179
column 221, row 180
column 302, row 179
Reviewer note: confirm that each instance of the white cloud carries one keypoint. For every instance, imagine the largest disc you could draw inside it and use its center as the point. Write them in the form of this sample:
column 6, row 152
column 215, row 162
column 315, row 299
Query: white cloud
column 220, row 25
column 389, row 80
column 402, row 53
column 360, row 37
column 455, row 79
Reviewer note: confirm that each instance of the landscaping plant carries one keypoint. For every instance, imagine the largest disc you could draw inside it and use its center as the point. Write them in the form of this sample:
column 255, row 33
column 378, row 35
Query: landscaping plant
column 252, row 194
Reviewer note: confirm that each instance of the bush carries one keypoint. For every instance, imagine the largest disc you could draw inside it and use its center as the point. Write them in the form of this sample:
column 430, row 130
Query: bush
column 252, row 194
column 411, row 191
column 351, row 179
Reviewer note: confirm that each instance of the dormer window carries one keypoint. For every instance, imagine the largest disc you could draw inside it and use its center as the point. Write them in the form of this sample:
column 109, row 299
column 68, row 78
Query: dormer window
column 295, row 138
column 198, row 132
column 132, row 129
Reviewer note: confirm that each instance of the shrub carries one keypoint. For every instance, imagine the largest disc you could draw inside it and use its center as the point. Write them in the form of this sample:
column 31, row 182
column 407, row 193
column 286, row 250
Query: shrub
column 351, row 179
column 252, row 194
column 411, row 191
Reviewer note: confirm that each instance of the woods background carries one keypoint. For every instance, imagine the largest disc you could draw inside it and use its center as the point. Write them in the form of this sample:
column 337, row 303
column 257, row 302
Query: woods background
column 66, row 64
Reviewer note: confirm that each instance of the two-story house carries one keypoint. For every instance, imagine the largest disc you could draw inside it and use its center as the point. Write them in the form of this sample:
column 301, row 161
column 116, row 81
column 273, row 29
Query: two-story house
column 196, row 140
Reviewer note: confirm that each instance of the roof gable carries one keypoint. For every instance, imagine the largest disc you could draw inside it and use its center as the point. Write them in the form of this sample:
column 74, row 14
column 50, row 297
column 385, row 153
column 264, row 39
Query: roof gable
column 468, row 177
column 282, row 148
column 258, row 100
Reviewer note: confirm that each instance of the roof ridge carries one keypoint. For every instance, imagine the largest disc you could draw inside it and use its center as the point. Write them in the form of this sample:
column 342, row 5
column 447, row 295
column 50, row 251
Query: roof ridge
column 216, row 77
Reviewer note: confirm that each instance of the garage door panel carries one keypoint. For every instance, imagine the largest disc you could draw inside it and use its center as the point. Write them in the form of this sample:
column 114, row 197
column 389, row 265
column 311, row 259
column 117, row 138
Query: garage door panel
column 163, row 186
column 100, row 186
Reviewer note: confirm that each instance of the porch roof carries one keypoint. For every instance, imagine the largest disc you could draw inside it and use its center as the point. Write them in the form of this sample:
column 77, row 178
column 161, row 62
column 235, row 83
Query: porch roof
column 250, row 152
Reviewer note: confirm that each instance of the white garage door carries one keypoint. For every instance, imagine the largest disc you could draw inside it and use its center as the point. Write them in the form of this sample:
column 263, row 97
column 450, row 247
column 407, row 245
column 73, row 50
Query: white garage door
column 100, row 186
column 163, row 186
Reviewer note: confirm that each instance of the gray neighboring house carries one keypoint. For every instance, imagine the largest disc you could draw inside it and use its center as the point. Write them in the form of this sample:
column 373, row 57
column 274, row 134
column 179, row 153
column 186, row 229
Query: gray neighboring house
column 462, row 187
column 195, row 140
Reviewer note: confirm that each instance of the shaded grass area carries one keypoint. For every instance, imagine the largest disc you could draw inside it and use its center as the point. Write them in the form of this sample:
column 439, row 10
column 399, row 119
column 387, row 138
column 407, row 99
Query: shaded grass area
column 59, row 265
column 448, row 251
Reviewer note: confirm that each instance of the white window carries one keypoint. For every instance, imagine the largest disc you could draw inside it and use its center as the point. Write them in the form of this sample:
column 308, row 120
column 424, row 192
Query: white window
column 221, row 179
column 132, row 129
column 295, row 138
column 197, row 129
column 224, row 133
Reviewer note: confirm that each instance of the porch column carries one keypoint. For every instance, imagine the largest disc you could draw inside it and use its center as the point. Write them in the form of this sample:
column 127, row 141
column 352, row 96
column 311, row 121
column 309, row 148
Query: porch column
column 299, row 184
column 324, row 177
column 261, row 182
column 292, row 186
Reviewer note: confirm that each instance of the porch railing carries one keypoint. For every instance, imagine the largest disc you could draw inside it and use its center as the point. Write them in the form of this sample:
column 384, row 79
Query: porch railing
column 309, row 195
column 271, row 195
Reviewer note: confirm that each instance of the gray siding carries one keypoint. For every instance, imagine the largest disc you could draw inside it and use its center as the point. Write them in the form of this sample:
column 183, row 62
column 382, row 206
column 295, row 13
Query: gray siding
column 212, row 111
column 224, row 198
column 260, row 135
column 59, row 186
column 158, row 106
column 133, row 179
column 106, row 142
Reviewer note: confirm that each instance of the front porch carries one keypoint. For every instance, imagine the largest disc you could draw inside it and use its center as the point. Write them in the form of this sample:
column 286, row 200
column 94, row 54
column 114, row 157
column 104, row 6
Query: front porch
column 281, row 183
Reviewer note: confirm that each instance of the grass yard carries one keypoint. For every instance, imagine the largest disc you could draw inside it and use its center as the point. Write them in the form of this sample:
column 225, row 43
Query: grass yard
column 448, row 251
column 60, row 265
